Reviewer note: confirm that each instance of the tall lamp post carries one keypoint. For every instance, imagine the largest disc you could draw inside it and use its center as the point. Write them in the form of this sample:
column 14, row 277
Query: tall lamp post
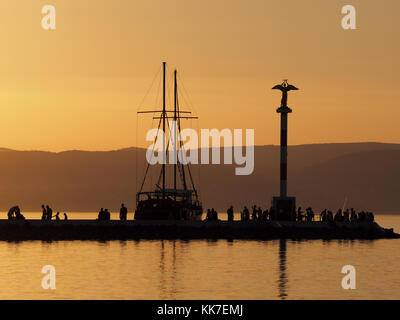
column 284, row 206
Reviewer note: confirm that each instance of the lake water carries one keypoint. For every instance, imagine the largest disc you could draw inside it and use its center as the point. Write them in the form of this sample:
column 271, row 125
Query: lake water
column 201, row 269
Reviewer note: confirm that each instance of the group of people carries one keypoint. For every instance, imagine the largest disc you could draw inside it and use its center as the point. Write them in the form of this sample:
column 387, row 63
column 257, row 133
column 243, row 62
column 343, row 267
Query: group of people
column 105, row 215
column 15, row 214
column 307, row 216
column 257, row 214
column 347, row 216
column 47, row 213
column 212, row 215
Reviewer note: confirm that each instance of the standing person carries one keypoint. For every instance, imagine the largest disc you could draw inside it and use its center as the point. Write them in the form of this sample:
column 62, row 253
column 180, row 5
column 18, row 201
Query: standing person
column 299, row 214
column 57, row 215
column 246, row 214
column 329, row 216
column 353, row 216
column 65, row 216
column 101, row 214
column 123, row 213
column 259, row 214
column 265, row 215
column 272, row 215
column 230, row 213
column 107, row 215
column 49, row 213
column 214, row 214
column 44, row 212
column 209, row 217
column 322, row 216
column 346, row 216
column 254, row 213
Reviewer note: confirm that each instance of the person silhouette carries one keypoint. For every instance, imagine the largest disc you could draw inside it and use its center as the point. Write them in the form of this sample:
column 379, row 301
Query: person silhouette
column 208, row 217
column 254, row 213
column 123, row 213
column 49, row 213
column 299, row 214
column 101, row 214
column 18, row 214
column 65, row 216
column 107, row 215
column 214, row 214
column 230, row 213
column 246, row 214
column 44, row 212
column 11, row 213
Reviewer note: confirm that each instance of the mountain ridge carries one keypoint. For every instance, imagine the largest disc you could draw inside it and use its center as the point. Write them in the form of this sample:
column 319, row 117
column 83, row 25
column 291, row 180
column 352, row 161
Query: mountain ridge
column 320, row 175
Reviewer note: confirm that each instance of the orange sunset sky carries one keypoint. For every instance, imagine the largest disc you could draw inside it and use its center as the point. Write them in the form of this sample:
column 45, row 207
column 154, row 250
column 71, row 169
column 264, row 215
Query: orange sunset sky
column 79, row 87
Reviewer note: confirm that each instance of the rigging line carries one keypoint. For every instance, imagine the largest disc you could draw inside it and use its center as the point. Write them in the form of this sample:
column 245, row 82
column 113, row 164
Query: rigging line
column 190, row 173
column 166, row 152
column 180, row 173
column 187, row 94
column 188, row 164
column 148, row 165
column 136, row 154
column 169, row 86
column 158, row 99
column 158, row 95
column 198, row 130
column 148, row 91
column 198, row 149
column 181, row 145
column 191, row 180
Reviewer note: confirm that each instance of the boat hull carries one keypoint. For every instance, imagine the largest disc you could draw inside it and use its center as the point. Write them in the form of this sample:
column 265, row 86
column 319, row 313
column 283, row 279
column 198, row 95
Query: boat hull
column 168, row 211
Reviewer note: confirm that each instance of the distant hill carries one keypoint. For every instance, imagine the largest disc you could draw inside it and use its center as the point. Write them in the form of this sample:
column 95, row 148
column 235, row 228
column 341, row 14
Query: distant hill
column 320, row 175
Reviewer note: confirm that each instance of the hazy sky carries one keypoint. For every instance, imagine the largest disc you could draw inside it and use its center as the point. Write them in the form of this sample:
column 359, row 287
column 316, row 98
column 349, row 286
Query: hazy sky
column 79, row 87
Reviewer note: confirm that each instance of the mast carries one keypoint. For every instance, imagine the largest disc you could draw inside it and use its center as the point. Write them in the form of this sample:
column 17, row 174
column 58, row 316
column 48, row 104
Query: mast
column 175, row 125
column 181, row 145
column 162, row 118
column 164, row 152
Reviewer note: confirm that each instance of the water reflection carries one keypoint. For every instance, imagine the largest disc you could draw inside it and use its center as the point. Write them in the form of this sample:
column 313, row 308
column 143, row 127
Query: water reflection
column 282, row 282
column 173, row 275
column 162, row 271
column 168, row 268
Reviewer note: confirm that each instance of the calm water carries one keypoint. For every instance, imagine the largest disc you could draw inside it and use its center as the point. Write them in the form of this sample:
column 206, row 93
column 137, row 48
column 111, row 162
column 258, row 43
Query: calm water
column 201, row 269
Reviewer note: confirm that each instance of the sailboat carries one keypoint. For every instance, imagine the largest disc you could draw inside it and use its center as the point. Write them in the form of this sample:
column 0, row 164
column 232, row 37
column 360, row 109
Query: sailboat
column 181, row 200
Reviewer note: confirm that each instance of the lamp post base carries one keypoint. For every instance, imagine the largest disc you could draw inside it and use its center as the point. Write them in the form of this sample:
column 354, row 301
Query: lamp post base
column 285, row 208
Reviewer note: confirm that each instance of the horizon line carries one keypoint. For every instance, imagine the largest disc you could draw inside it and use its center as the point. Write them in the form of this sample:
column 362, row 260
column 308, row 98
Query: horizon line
column 4, row 149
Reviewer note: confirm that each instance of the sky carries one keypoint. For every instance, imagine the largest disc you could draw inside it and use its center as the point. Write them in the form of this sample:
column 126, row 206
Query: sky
column 80, row 86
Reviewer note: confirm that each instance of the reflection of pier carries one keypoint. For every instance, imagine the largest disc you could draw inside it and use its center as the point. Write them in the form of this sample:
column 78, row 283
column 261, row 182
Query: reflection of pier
column 282, row 282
